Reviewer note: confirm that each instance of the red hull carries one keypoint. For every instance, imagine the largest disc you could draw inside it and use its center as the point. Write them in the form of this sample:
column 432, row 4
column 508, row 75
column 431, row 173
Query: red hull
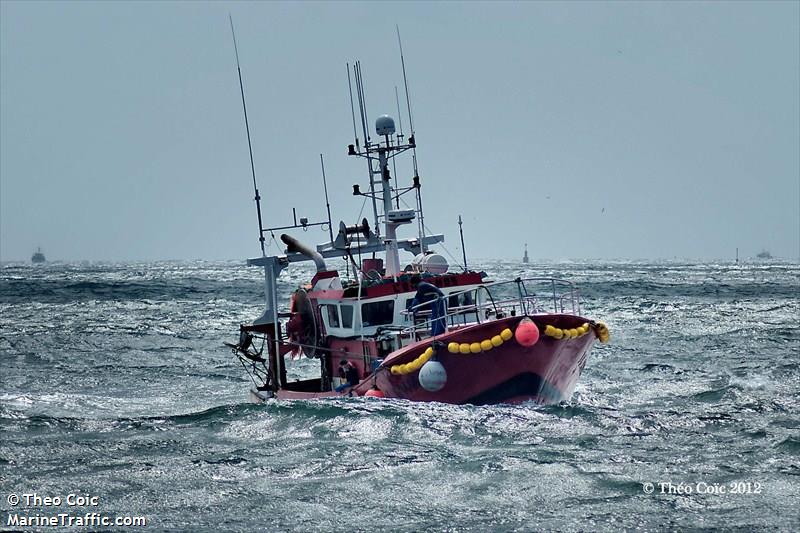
column 511, row 373
column 545, row 372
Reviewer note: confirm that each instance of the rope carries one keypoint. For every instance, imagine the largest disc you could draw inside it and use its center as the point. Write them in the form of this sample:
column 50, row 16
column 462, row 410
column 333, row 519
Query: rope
column 272, row 235
column 454, row 347
column 446, row 250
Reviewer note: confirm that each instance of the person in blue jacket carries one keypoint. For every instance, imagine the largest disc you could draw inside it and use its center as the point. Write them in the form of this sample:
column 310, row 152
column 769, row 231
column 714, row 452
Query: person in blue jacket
column 349, row 373
column 427, row 292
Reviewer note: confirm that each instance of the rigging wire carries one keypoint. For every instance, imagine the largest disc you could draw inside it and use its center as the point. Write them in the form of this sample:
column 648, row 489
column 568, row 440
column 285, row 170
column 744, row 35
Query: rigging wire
column 449, row 254
column 421, row 221
column 361, row 212
column 272, row 235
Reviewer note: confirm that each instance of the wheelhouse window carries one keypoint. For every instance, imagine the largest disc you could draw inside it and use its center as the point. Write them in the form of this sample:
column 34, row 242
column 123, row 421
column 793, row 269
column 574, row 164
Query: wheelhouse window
column 333, row 315
column 347, row 316
column 377, row 313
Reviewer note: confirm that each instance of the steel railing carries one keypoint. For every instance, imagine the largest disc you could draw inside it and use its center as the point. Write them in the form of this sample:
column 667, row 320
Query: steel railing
column 563, row 294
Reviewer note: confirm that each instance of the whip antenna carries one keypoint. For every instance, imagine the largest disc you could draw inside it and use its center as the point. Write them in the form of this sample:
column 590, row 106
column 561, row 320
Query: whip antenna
column 352, row 110
column 421, row 222
column 327, row 202
column 463, row 250
column 408, row 100
column 362, row 106
column 399, row 116
column 249, row 143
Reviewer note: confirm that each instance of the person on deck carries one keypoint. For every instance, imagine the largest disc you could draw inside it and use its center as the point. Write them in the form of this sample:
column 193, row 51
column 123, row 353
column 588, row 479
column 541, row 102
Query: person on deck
column 349, row 373
column 427, row 292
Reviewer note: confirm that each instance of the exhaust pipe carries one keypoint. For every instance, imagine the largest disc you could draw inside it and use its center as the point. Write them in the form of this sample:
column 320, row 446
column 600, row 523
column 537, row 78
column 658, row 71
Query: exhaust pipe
column 293, row 245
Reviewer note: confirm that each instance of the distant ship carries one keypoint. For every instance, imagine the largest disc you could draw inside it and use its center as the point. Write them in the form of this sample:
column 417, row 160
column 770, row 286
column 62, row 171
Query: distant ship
column 38, row 257
column 764, row 255
column 525, row 257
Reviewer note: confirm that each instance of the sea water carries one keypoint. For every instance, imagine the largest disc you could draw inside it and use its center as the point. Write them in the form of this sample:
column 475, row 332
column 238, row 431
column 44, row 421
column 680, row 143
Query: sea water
column 119, row 400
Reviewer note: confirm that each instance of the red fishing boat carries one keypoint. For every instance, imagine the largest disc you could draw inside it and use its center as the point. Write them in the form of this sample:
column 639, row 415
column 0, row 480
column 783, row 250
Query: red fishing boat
column 415, row 329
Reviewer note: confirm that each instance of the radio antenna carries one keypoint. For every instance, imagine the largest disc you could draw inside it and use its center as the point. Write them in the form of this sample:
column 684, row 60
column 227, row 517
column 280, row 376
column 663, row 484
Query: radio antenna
column 352, row 109
column 362, row 103
column 463, row 250
column 399, row 116
column 394, row 159
column 249, row 143
column 414, row 149
column 327, row 203
column 405, row 82
column 362, row 106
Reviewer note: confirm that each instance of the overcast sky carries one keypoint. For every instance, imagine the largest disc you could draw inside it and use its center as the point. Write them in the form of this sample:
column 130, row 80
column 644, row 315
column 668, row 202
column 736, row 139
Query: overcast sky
column 588, row 130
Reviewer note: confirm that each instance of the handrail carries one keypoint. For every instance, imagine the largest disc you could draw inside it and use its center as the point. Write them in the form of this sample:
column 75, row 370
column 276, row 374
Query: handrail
column 524, row 302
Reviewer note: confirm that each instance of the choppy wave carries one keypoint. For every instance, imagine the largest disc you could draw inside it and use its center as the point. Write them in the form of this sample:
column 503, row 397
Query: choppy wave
column 116, row 383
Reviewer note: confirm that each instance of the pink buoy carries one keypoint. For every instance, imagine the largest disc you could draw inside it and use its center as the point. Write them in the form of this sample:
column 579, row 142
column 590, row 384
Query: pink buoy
column 375, row 393
column 527, row 334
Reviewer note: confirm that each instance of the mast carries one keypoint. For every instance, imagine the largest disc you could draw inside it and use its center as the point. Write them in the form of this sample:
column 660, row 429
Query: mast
column 362, row 105
column 271, row 268
column 392, row 218
column 249, row 143
column 392, row 254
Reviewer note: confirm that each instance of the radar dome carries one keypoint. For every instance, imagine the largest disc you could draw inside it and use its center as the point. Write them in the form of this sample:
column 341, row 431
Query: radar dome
column 384, row 125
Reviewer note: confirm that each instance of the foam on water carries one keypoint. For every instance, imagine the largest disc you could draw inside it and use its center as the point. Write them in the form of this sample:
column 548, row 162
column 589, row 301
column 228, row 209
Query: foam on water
column 116, row 383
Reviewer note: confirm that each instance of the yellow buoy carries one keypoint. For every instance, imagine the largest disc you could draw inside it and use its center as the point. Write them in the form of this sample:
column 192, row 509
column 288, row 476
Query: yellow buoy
column 475, row 347
column 452, row 347
column 506, row 334
column 486, row 345
column 601, row 330
column 558, row 333
column 463, row 348
column 497, row 341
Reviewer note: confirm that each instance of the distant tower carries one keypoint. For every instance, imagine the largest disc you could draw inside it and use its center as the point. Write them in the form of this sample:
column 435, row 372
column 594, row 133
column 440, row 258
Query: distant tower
column 525, row 257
